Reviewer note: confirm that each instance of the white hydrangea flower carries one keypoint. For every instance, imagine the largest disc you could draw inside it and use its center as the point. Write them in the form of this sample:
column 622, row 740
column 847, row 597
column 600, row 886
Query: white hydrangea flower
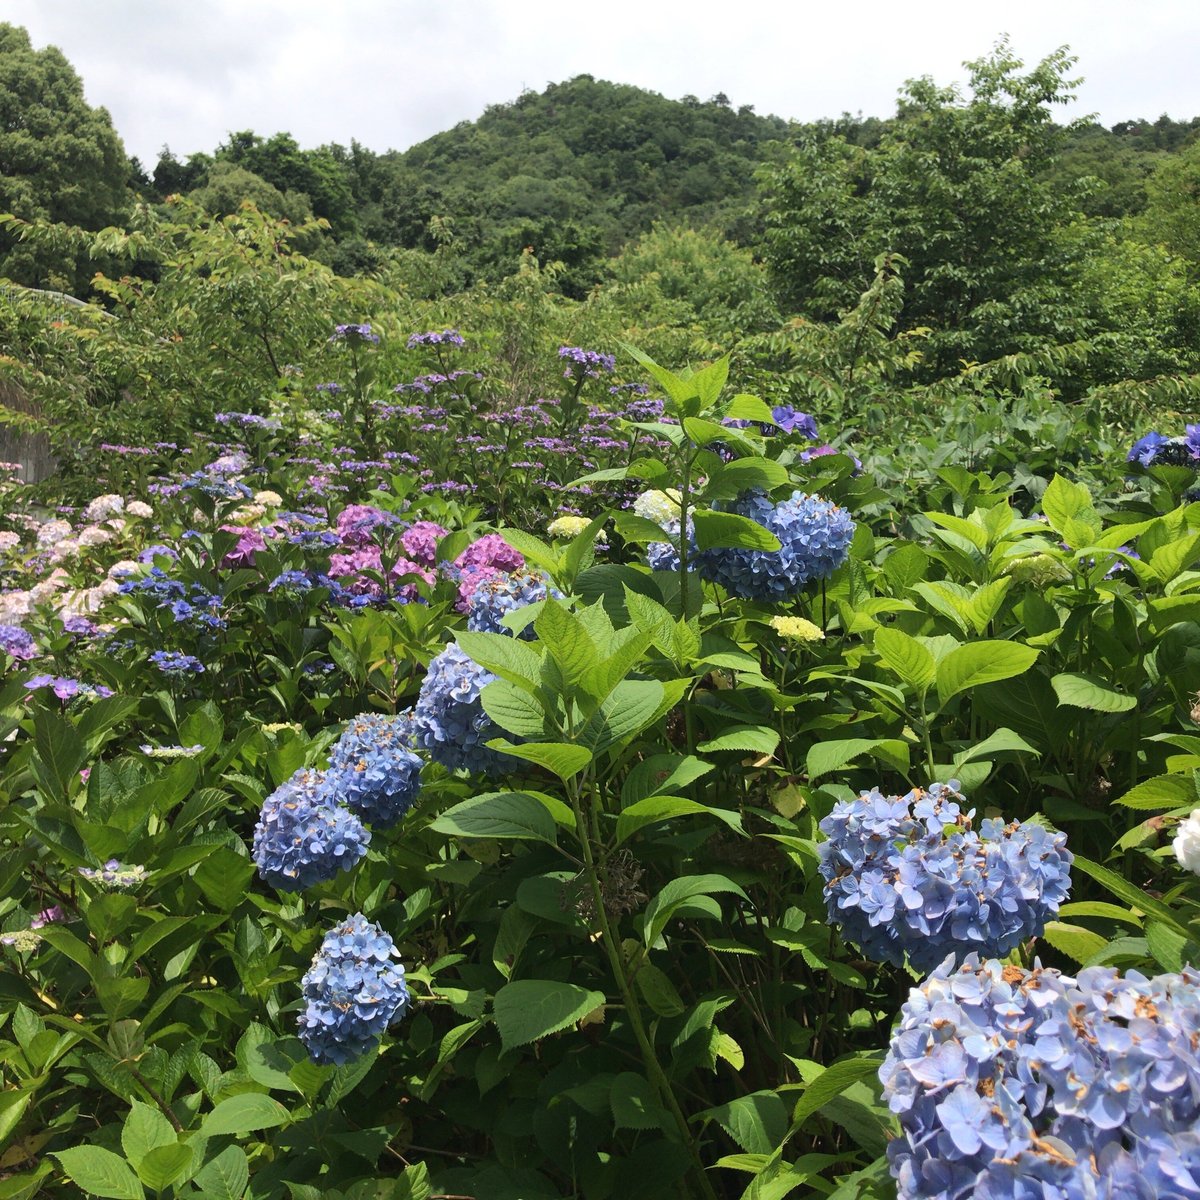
column 139, row 508
column 269, row 499
column 1187, row 843
column 94, row 535
column 103, row 506
column 8, row 540
column 52, row 531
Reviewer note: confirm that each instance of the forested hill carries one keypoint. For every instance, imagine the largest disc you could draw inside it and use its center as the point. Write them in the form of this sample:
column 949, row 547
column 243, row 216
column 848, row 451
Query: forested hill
column 573, row 171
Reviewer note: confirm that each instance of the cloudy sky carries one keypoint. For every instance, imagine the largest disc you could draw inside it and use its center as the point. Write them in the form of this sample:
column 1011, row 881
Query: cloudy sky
column 391, row 74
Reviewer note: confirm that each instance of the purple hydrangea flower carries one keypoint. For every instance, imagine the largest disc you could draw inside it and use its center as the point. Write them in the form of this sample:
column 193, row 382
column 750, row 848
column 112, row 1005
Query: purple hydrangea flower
column 171, row 662
column 355, row 333
column 447, row 337
column 17, row 643
column 585, row 364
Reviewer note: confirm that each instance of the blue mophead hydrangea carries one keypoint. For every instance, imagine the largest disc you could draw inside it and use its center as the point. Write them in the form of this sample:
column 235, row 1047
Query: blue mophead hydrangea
column 909, row 875
column 500, row 595
column 303, row 836
column 374, row 768
column 1013, row 1083
column 353, row 991
column 814, row 538
column 452, row 727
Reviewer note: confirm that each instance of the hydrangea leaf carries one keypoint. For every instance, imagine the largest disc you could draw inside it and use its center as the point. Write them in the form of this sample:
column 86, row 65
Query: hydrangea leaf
column 529, row 1009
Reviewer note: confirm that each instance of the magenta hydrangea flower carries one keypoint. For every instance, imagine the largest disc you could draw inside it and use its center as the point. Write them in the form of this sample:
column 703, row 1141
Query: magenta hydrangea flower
column 420, row 541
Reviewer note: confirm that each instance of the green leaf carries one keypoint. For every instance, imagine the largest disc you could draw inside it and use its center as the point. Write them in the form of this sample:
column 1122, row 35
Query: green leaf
column 1163, row 791
column 826, row 757
column 662, row 808
column 677, row 894
column 1085, row 691
column 223, row 877
column 634, row 1105
column 163, row 1165
column 743, row 474
column 1133, row 895
column 744, row 407
column 757, row 1122
column 981, row 662
column 529, row 1009
column 100, row 1172
column 512, row 815
column 226, row 1176
column 632, row 705
column 144, row 1130
column 1068, row 504
column 999, row 742
column 662, row 774
column 716, row 530
column 1074, row 941
column 660, row 993
column 509, row 657
column 514, row 709
column 906, row 657
column 833, row 1081
column 757, row 739
column 561, row 758
column 243, row 1114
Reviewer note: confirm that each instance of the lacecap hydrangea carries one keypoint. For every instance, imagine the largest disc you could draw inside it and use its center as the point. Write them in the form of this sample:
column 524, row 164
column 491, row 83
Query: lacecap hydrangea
column 353, row 991
column 814, row 537
column 452, row 727
column 909, row 875
column 374, row 768
column 1014, row 1083
column 494, row 598
column 304, row 837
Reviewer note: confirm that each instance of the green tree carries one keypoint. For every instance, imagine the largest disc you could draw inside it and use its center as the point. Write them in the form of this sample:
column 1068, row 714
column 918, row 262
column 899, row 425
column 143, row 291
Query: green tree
column 60, row 160
column 1172, row 216
column 957, row 186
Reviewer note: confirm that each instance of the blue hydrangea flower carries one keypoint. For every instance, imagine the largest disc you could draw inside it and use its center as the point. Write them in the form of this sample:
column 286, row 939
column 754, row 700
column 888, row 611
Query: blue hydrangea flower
column 303, row 837
column 1146, row 448
column 910, row 876
column 814, row 538
column 496, row 597
column 1010, row 1082
column 353, row 990
column 173, row 663
column 374, row 767
column 664, row 556
column 451, row 724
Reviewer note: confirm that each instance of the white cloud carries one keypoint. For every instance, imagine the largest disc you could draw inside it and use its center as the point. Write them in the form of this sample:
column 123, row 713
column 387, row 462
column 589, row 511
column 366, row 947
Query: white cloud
column 391, row 74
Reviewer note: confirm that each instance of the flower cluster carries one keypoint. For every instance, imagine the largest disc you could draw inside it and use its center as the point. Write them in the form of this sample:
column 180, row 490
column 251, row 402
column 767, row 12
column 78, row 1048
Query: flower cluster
column 17, row 643
column 173, row 663
column 451, row 724
column 797, row 629
column 660, row 507
column 814, row 538
column 171, row 752
column 67, row 689
column 910, row 875
column 483, row 559
column 585, row 364
column 356, row 523
column 1027, row 1083
column 115, row 874
column 246, row 420
column 1153, row 449
column 303, row 837
column 374, row 767
column 786, row 420
column 420, row 541
column 1187, row 842
column 494, row 598
column 570, row 526
column 354, row 333
column 447, row 337
column 353, row 991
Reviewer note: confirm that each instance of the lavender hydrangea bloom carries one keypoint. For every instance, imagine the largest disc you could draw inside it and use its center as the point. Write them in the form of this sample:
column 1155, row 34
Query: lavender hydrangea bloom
column 500, row 595
column 447, row 337
column 814, row 538
column 374, row 767
column 353, row 991
column 303, row 837
column 1010, row 1082
column 115, row 874
column 420, row 541
column 354, row 333
column 356, row 523
column 585, row 364
column 451, row 724
column 17, row 643
column 910, row 876
column 1146, row 448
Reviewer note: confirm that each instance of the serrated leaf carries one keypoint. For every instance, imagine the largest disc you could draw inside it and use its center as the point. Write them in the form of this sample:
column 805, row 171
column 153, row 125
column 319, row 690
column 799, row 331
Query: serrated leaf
column 560, row 758
column 662, row 808
column 243, row 1114
column 529, row 1009
column 978, row 663
column 717, row 530
column 1085, row 691
column 678, row 893
column 100, row 1172
column 756, row 739
column 1163, row 791
column 145, row 1129
column 226, row 1176
column 905, row 657
column 163, row 1165
column 826, row 757
column 514, row 709
column 509, row 815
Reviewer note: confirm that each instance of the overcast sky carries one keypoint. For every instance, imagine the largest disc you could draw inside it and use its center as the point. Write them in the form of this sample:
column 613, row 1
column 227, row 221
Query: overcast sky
column 391, row 74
